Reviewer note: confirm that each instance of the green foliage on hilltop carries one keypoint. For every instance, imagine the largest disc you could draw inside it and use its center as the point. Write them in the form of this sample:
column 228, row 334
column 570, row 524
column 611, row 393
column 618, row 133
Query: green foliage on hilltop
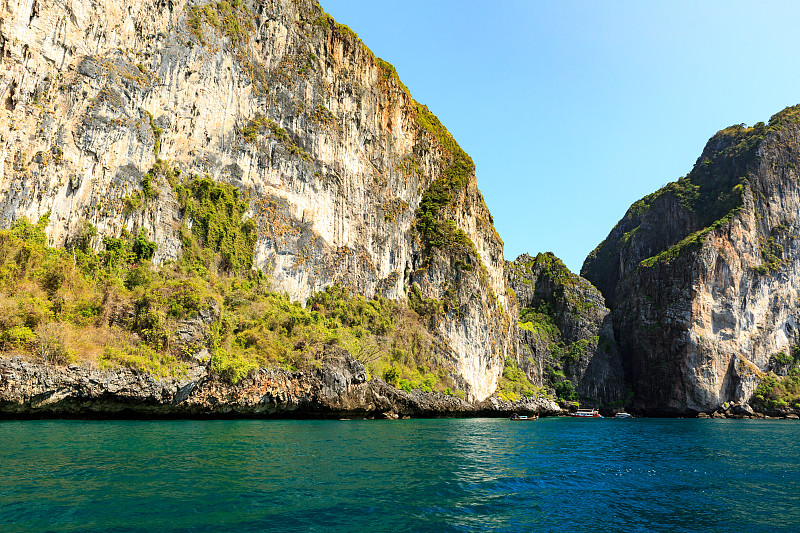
column 389, row 73
column 460, row 161
column 545, row 265
column 714, row 186
column 327, row 22
column 568, row 288
column 712, row 191
column 558, row 298
column 550, row 266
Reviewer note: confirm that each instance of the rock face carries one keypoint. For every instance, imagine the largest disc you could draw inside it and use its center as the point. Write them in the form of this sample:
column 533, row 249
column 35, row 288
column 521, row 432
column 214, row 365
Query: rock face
column 350, row 180
column 565, row 331
column 703, row 275
column 338, row 389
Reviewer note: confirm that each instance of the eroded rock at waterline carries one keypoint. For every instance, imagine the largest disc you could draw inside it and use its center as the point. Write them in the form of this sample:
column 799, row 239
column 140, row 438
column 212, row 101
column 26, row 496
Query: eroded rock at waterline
column 339, row 389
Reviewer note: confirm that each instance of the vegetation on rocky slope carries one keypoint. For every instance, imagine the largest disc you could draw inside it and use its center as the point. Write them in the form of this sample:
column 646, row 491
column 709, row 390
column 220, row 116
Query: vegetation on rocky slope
column 434, row 228
column 711, row 193
column 231, row 19
column 514, row 384
column 114, row 307
column 778, row 392
column 552, row 298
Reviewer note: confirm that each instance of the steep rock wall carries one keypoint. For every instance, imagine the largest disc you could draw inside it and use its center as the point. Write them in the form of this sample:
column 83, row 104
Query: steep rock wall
column 565, row 331
column 273, row 97
column 704, row 301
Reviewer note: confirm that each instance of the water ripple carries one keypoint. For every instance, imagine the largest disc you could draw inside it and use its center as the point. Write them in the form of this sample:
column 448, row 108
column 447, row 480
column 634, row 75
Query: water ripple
column 412, row 475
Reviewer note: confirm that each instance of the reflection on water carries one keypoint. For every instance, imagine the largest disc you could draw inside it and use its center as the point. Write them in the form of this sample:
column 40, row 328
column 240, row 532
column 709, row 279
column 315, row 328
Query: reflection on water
column 410, row 475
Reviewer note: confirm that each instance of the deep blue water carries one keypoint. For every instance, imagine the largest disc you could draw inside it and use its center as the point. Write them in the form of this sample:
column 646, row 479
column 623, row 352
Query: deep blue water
column 555, row 474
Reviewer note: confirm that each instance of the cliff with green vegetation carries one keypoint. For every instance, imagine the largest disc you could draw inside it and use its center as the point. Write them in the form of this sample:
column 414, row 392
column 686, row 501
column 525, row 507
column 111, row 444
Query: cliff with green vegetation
column 227, row 186
column 566, row 339
column 703, row 276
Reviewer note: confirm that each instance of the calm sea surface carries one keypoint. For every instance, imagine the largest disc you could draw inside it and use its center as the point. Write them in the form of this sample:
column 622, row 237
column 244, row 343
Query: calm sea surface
column 554, row 474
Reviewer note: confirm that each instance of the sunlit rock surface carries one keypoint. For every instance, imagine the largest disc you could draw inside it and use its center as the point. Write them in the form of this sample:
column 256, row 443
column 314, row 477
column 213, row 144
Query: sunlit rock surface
column 273, row 97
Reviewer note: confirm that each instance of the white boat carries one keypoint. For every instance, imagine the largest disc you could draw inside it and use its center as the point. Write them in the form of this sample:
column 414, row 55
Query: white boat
column 586, row 413
column 623, row 414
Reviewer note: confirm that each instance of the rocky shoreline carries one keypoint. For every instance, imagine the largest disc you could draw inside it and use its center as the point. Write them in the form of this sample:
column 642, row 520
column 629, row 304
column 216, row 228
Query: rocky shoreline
column 744, row 410
column 339, row 389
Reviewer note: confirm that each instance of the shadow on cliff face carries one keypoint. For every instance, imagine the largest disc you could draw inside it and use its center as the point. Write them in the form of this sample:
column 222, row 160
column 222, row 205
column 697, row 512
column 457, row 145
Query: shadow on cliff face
column 702, row 275
column 566, row 337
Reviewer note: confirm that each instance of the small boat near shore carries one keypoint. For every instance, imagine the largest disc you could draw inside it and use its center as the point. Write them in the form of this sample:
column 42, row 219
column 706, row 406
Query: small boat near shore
column 515, row 416
column 623, row 414
column 586, row 413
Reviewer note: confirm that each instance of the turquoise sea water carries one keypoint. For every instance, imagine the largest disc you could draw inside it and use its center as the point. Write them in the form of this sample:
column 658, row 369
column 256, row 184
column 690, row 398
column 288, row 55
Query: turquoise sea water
column 553, row 474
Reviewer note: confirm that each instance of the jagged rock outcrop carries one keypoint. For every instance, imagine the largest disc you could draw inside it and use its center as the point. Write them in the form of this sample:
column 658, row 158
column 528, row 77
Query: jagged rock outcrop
column 565, row 331
column 339, row 389
column 350, row 180
column 703, row 275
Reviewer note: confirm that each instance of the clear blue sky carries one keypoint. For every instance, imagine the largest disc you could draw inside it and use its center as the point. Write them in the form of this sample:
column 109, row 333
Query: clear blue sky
column 573, row 110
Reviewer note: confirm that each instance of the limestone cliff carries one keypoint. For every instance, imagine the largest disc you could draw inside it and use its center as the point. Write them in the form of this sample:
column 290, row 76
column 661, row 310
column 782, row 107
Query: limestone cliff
column 703, row 275
column 566, row 340
column 350, row 181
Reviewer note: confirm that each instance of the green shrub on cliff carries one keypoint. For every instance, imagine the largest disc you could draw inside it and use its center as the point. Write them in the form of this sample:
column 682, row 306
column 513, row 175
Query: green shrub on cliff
column 261, row 123
column 116, row 307
column 431, row 222
column 783, row 359
column 514, row 383
column 230, row 366
column 140, row 357
column 565, row 391
column 774, row 392
column 231, row 19
column 429, row 309
column 539, row 320
column 556, row 380
column 217, row 213
column 389, row 72
column 17, row 337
